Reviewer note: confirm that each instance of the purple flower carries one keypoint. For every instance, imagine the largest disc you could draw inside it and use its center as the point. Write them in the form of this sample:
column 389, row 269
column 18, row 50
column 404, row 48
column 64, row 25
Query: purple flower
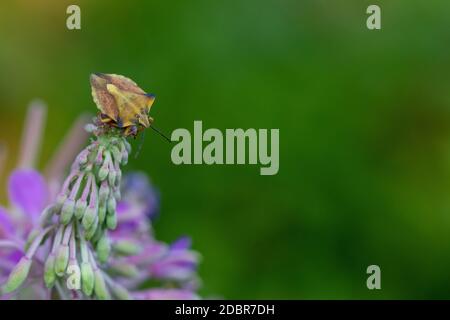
column 8, row 254
column 179, row 263
column 139, row 198
column 29, row 194
column 181, row 243
column 117, row 262
column 28, row 191
column 158, row 260
column 139, row 204
column 6, row 224
column 150, row 252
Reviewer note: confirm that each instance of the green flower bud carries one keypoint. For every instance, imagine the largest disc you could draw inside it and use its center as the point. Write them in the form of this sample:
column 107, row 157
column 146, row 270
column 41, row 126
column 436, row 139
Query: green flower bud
column 101, row 213
column 80, row 208
column 111, row 205
column 111, row 221
column 87, row 278
column 112, row 177
column 100, row 289
column 103, row 192
column 98, row 234
column 103, row 248
column 124, row 158
column 74, row 276
column 60, row 199
column 46, row 215
column 18, row 275
column 116, row 154
column 117, row 193
column 127, row 146
column 62, row 260
column 103, row 172
column 49, row 271
column 89, row 233
column 33, row 234
column 67, row 211
column 83, row 157
column 126, row 248
column 89, row 217
column 120, row 292
column 99, row 158
column 124, row 270
column 119, row 176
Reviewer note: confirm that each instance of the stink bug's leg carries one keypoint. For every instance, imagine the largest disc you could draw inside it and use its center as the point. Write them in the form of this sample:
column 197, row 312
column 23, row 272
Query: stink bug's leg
column 138, row 151
column 131, row 131
column 127, row 131
column 104, row 118
column 119, row 122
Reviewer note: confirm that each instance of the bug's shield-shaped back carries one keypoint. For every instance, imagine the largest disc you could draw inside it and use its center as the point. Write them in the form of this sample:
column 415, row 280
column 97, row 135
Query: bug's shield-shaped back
column 121, row 100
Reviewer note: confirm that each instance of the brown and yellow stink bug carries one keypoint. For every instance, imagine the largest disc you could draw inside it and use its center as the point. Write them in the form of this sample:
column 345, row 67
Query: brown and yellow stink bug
column 121, row 102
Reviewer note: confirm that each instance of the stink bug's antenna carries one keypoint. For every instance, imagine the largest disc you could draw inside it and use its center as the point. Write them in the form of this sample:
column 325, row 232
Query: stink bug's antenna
column 160, row 133
column 143, row 136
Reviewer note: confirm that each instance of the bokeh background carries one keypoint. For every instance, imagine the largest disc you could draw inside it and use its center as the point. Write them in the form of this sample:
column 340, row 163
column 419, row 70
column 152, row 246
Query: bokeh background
column 364, row 119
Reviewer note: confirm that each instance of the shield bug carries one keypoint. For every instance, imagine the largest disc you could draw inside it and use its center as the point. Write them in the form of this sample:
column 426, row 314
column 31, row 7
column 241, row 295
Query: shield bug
column 121, row 102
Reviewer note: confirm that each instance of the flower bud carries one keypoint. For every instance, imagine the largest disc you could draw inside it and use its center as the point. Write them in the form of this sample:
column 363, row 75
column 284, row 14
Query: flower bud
column 82, row 157
column 18, row 275
column 119, row 176
column 101, row 213
column 89, row 233
column 116, row 154
column 125, row 270
column 89, row 217
column 112, row 177
column 49, row 271
column 67, row 211
column 62, row 260
column 103, row 248
column 31, row 237
column 124, row 158
column 65, row 189
column 99, row 158
column 126, row 247
column 103, row 192
column 74, row 276
column 87, row 278
column 47, row 215
column 111, row 221
column 111, row 205
column 60, row 199
column 127, row 146
column 90, row 127
column 120, row 292
column 80, row 208
column 100, row 289
column 103, row 173
column 104, row 169
column 117, row 194
column 98, row 234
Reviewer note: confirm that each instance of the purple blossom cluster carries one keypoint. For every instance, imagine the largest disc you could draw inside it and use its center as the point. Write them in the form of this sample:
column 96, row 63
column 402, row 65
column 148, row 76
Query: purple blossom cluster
column 93, row 221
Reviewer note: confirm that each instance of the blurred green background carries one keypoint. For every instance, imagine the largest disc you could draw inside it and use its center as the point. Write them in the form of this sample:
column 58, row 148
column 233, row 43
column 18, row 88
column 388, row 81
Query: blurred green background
column 364, row 119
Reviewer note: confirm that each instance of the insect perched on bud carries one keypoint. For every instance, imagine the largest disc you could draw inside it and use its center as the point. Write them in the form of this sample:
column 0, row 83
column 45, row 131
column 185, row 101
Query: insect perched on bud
column 121, row 102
